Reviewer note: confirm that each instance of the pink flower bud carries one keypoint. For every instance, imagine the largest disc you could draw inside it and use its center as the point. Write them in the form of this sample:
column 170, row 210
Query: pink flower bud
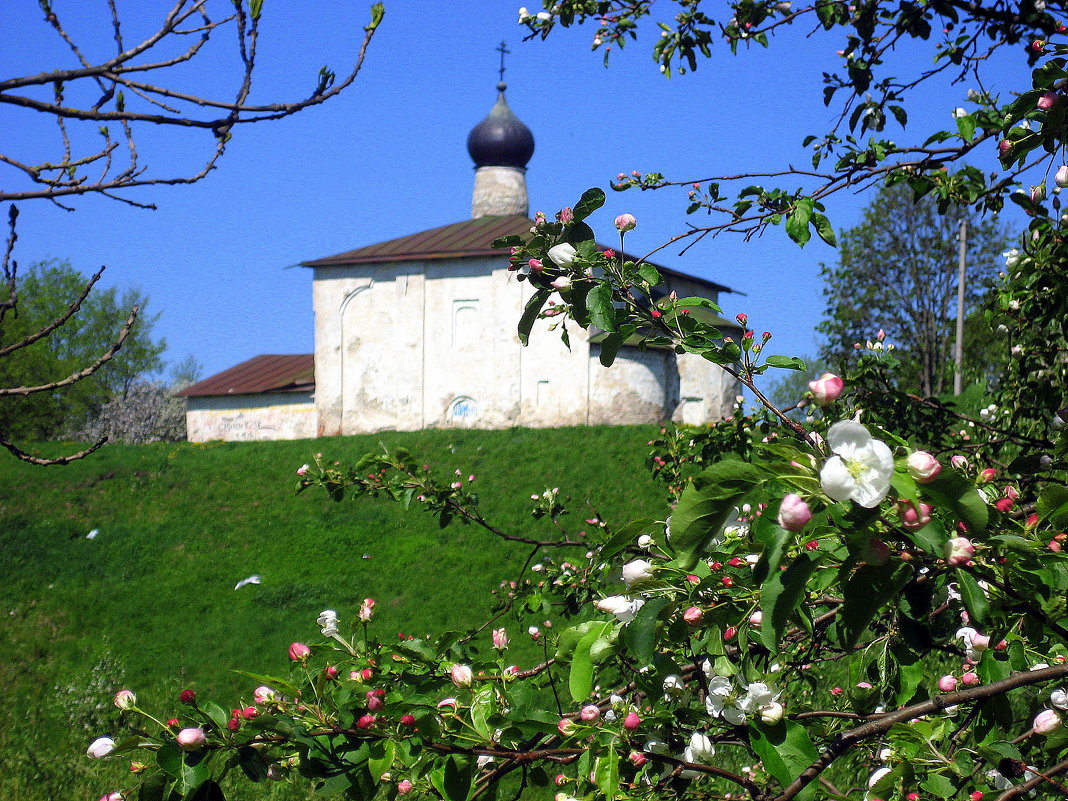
column 560, row 780
column 1004, row 505
column 742, row 317
column 923, row 467
column 756, row 618
column 367, row 609
column 535, row 264
column 565, row 215
column 366, row 722
column 404, row 787
column 637, row 758
column 125, row 699
column 959, row 462
column 407, row 720
column 959, row 551
column 461, row 675
column 500, row 639
column 730, row 633
column 303, row 469
column 969, row 679
column 1046, row 721
column 191, row 739
column 367, row 674
column 914, row 519
column 625, row 222
column 947, row 684
column 589, row 713
column 111, row 797
column 187, row 697
column 837, row 691
column 1061, row 178
column 298, row 652
column 1047, row 100
column 631, row 721
column 912, row 797
column 794, row 513
column 693, row 615
column 826, row 389
column 374, row 702
column 1038, row 193
column 863, row 685
column 987, row 475
column 566, row 726
column 1004, row 149
column 264, row 695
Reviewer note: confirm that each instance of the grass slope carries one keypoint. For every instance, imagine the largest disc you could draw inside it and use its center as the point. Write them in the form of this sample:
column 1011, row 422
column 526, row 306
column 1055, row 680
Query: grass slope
column 150, row 604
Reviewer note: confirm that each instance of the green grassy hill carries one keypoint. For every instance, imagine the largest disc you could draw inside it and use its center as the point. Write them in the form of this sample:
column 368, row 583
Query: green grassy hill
column 149, row 602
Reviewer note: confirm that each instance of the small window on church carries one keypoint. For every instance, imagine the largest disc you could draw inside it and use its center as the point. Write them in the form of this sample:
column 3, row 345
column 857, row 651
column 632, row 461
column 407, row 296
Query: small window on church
column 543, row 393
column 462, row 412
column 465, row 333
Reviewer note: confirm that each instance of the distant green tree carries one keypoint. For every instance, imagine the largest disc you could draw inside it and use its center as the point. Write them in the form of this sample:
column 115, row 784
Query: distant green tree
column 897, row 271
column 46, row 291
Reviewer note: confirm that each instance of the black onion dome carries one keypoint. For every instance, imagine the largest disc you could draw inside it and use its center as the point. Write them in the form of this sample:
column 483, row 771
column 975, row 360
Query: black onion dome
column 501, row 140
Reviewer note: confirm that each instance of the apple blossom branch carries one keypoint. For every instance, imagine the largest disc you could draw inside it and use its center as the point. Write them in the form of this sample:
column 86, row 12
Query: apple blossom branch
column 844, row 741
column 64, row 176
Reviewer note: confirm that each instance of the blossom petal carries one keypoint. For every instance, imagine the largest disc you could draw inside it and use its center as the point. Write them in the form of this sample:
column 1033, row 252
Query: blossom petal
column 836, row 480
column 846, row 437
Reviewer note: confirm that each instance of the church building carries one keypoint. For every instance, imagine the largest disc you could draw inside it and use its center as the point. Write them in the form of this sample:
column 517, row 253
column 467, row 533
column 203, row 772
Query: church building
column 421, row 332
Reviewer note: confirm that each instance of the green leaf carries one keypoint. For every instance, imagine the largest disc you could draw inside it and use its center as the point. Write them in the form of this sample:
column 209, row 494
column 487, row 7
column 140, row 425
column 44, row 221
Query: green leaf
column 785, row 362
column 252, row 763
column 966, row 127
column 606, row 774
column 650, row 274
column 531, row 312
column 937, row 784
column 216, row 713
column 974, row 599
column 153, row 788
column 640, row 633
column 784, row 749
column 797, row 223
column 955, row 493
column 453, row 780
column 865, row 593
column 579, row 232
column 481, row 709
column 824, row 229
column 208, row 791
column 591, row 200
column 599, row 303
column 507, row 241
column 706, row 504
column 255, row 8
column 780, row 596
column 609, row 348
column 189, row 770
column 1052, row 505
column 580, row 679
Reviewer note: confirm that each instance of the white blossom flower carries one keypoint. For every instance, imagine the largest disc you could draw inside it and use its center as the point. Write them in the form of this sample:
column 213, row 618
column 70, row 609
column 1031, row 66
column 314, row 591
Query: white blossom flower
column 861, row 468
column 622, row 606
column 721, row 699
column 699, row 749
column 100, row 747
column 328, row 621
column 563, row 254
column 1059, row 698
column 638, row 570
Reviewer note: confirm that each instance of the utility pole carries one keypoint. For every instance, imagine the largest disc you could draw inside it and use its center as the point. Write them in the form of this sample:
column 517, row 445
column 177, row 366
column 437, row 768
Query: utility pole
column 958, row 355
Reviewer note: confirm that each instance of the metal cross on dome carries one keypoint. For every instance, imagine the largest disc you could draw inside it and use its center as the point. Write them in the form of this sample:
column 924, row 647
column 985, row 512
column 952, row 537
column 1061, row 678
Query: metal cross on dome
column 503, row 49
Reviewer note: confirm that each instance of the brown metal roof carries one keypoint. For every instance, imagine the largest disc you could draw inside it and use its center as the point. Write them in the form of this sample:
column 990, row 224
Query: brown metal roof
column 295, row 373
column 460, row 240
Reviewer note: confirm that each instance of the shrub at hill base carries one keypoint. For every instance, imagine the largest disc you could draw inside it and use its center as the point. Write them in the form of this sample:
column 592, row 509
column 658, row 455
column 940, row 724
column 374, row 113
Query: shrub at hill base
column 828, row 609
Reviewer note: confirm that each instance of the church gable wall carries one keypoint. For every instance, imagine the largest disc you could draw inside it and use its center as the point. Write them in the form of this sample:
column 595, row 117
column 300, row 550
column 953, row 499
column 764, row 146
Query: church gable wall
column 279, row 415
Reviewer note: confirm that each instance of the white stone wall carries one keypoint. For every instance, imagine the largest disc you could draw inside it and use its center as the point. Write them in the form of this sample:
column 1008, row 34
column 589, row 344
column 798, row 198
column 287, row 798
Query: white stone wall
column 282, row 415
column 410, row 345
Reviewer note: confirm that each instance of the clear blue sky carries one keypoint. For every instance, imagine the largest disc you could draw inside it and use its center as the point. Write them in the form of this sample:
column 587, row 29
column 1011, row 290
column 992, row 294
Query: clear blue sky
column 388, row 158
